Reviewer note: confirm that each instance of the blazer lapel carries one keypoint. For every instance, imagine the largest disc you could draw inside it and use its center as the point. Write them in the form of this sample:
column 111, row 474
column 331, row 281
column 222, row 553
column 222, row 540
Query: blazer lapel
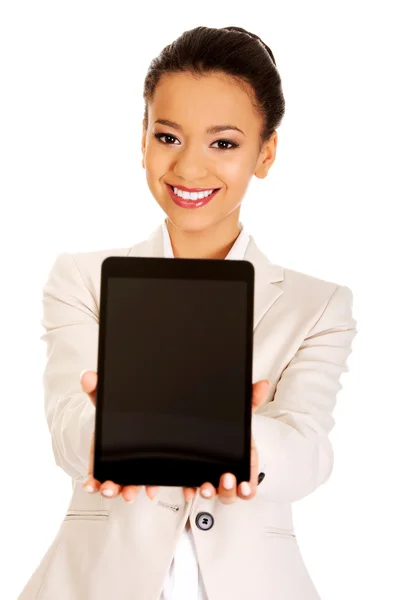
column 267, row 275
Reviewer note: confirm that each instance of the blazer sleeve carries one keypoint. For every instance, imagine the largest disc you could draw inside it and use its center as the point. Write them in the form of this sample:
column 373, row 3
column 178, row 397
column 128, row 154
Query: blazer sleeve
column 291, row 432
column 70, row 319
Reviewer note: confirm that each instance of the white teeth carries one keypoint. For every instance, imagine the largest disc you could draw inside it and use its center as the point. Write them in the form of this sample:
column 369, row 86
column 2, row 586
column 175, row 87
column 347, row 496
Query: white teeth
column 192, row 195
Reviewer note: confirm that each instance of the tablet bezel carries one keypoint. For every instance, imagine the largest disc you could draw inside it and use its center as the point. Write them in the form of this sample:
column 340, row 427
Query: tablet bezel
column 167, row 471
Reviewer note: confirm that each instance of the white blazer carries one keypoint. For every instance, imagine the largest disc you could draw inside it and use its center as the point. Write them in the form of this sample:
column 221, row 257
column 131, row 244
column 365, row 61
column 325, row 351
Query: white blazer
column 106, row 548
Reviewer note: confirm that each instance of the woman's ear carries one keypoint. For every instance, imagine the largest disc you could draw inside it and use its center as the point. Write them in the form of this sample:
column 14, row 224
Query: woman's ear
column 266, row 157
column 144, row 136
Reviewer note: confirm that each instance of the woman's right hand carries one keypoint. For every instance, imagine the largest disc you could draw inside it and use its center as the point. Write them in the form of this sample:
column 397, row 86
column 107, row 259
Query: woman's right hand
column 128, row 492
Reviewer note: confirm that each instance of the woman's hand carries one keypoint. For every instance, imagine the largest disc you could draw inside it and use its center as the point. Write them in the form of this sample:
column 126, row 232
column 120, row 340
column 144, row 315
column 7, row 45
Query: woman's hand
column 129, row 492
column 108, row 488
column 229, row 495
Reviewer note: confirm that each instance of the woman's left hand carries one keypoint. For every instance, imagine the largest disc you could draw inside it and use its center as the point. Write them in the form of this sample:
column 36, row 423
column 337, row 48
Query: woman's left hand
column 228, row 496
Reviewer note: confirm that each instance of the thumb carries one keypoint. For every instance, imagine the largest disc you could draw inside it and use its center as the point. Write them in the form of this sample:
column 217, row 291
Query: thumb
column 89, row 384
column 260, row 391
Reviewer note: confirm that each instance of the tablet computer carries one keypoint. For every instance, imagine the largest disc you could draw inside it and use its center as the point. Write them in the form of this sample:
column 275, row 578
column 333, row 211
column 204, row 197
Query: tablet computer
column 175, row 354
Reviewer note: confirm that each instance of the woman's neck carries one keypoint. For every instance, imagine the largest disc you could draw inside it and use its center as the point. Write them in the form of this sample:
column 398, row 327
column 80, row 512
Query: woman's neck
column 213, row 242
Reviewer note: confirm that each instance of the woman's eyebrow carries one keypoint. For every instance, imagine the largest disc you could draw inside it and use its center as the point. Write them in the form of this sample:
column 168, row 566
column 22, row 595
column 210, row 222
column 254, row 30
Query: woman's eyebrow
column 212, row 129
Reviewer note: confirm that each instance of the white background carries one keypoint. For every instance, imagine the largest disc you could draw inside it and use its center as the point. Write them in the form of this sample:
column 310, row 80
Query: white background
column 71, row 180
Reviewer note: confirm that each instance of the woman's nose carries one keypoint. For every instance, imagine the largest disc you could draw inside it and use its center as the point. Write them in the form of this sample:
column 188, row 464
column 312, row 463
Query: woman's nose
column 191, row 165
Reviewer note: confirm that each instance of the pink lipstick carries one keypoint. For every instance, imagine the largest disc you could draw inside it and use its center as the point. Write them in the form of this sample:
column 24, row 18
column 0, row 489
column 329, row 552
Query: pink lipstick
column 190, row 203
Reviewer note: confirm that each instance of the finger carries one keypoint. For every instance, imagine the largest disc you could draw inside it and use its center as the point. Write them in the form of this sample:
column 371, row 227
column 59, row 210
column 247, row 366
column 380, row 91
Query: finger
column 89, row 384
column 250, row 486
column 189, row 493
column 91, row 484
column 207, row 490
column 109, row 489
column 152, row 491
column 227, row 488
column 246, row 491
column 253, row 465
column 130, row 492
column 260, row 392
column 91, row 457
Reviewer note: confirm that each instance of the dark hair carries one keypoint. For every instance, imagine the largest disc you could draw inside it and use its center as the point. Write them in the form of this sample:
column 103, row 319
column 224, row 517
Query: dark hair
column 230, row 50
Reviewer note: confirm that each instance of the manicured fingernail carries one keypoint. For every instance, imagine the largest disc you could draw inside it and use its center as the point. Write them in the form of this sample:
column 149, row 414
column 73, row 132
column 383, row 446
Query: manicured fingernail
column 228, row 481
column 245, row 489
column 107, row 493
column 82, row 373
column 88, row 488
column 206, row 493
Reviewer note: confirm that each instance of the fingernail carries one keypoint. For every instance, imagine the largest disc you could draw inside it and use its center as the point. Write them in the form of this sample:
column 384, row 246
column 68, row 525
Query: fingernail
column 107, row 493
column 88, row 488
column 245, row 489
column 82, row 373
column 152, row 494
column 228, row 481
column 206, row 493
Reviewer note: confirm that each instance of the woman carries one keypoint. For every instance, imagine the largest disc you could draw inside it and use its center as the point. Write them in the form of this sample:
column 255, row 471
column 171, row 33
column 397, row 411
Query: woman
column 213, row 102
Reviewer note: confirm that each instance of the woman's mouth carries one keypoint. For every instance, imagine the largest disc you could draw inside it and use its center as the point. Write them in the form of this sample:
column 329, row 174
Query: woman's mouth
column 191, row 199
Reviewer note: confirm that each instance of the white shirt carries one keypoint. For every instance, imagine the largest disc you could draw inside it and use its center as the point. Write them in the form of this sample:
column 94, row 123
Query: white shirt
column 184, row 580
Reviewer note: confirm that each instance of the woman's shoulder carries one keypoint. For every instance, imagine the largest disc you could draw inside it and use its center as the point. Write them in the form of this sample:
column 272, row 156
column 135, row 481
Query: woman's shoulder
column 315, row 293
column 321, row 303
column 293, row 282
column 302, row 282
column 78, row 274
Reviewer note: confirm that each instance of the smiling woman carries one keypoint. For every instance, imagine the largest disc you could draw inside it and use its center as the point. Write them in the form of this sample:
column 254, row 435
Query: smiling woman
column 188, row 156
column 227, row 83
column 213, row 102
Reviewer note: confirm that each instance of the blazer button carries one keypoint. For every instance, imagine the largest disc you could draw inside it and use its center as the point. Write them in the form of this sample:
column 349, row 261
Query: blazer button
column 204, row 520
column 260, row 477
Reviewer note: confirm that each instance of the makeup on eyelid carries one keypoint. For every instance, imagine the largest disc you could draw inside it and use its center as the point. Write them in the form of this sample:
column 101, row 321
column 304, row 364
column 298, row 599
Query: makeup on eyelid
column 233, row 144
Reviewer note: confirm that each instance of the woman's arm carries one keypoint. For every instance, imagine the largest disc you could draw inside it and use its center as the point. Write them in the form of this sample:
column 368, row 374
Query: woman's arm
column 70, row 318
column 291, row 432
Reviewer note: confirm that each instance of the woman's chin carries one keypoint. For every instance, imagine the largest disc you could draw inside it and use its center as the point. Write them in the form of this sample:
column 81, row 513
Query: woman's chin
column 186, row 220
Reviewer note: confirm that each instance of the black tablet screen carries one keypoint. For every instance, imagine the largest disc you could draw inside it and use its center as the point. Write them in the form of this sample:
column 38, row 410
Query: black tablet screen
column 174, row 369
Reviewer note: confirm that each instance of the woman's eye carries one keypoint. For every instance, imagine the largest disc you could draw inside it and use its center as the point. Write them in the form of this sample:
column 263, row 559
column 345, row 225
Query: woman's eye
column 164, row 135
column 228, row 143
column 231, row 144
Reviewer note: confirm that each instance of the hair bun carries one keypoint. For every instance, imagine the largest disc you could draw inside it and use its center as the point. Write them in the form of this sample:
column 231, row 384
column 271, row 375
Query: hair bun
column 231, row 50
column 254, row 36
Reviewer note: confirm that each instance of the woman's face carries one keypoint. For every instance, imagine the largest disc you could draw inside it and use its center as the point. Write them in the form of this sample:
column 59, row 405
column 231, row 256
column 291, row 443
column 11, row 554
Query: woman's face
column 183, row 153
